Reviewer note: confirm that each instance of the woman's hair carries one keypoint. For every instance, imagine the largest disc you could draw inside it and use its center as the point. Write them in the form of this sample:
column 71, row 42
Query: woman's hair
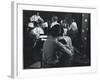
column 55, row 31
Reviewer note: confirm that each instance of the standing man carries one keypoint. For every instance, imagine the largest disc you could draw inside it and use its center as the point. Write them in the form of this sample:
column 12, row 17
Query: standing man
column 73, row 25
column 73, row 32
column 54, row 21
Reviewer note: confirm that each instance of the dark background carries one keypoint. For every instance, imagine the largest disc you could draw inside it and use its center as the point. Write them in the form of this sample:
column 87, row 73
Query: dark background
column 81, row 44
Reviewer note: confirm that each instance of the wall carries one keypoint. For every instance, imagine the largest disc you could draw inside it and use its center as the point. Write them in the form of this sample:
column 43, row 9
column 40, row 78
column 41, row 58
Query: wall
column 5, row 40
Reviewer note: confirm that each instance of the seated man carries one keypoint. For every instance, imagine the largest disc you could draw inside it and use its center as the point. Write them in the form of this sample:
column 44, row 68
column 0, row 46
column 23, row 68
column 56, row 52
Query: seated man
column 50, row 48
column 36, row 18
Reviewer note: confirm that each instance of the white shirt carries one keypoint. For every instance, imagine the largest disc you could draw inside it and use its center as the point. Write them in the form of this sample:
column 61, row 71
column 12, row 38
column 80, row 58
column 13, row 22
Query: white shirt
column 54, row 23
column 37, row 31
column 73, row 26
column 35, row 18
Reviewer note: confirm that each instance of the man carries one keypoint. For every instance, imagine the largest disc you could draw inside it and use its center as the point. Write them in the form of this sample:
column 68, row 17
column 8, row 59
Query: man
column 73, row 33
column 36, row 18
column 51, row 47
column 73, row 25
column 37, row 31
column 65, row 60
column 54, row 21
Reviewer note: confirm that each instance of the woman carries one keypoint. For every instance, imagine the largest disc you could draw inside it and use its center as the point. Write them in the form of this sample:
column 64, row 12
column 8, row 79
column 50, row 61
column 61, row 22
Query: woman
column 51, row 47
